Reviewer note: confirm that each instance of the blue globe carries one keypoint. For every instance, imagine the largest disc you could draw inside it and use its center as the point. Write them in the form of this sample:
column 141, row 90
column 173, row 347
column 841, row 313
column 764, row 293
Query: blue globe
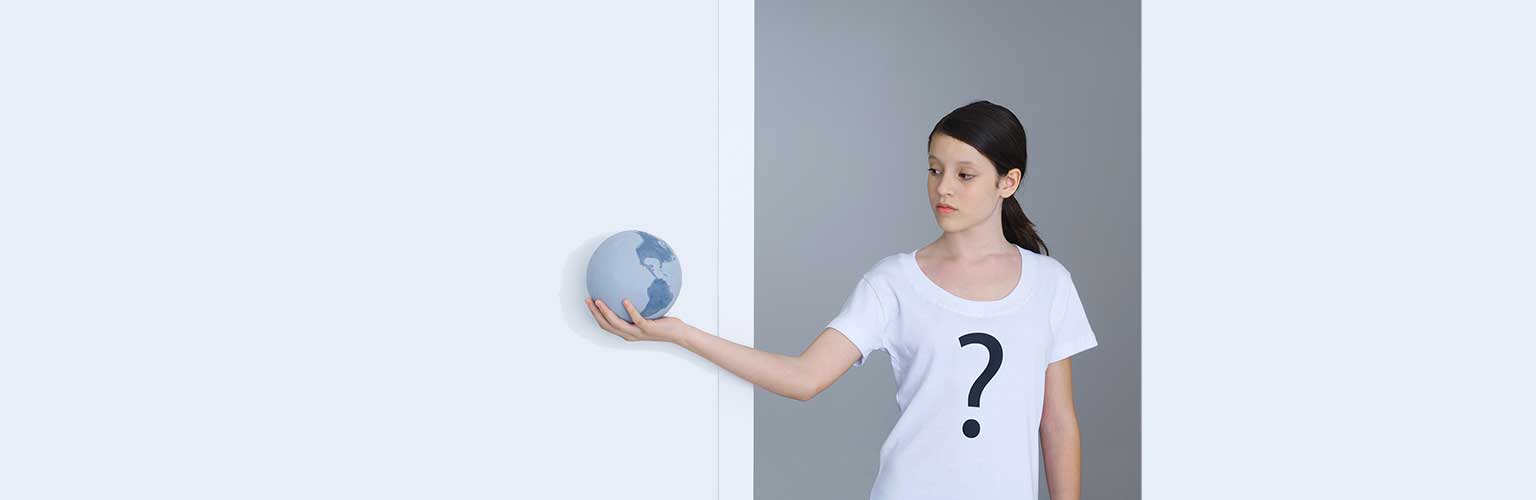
column 638, row 266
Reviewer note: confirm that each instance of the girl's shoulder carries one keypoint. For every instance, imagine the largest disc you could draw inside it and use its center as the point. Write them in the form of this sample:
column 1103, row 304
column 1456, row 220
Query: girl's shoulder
column 1046, row 263
column 887, row 268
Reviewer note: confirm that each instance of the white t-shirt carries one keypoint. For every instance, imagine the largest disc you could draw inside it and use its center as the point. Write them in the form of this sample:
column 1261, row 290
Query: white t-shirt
column 928, row 455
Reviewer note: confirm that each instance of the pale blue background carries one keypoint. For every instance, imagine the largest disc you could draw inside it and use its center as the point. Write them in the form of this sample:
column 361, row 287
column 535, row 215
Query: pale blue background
column 333, row 250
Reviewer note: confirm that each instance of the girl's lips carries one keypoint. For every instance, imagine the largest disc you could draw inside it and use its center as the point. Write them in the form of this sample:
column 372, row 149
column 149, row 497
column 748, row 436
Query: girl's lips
column 944, row 210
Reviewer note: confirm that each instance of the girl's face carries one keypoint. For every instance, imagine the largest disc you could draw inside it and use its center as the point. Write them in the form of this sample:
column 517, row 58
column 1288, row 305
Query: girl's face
column 959, row 176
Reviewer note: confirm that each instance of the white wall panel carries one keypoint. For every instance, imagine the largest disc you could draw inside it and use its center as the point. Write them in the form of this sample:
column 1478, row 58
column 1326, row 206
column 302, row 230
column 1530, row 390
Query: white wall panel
column 336, row 249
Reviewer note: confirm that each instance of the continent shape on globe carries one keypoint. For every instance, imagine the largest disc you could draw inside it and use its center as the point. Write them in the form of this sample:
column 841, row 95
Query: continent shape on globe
column 652, row 253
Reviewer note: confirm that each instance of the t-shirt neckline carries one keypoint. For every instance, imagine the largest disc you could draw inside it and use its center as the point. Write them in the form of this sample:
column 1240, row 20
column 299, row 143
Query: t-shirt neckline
column 938, row 294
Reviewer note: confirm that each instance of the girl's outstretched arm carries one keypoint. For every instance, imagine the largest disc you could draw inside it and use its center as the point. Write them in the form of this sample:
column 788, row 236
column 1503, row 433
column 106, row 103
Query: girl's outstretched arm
column 797, row 377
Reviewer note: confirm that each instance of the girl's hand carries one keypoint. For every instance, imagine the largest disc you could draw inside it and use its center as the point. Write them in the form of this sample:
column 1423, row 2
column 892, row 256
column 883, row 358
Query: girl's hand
column 663, row 329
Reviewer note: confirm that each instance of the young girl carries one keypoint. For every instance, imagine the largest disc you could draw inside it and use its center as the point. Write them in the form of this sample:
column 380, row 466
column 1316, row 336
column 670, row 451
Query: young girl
column 979, row 325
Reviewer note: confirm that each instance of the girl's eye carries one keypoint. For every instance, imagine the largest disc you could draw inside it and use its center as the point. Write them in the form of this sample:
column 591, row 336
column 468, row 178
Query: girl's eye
column 962, row 176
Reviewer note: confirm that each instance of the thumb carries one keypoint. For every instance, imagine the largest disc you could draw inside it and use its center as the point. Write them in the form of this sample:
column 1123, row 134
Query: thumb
column 634, row 316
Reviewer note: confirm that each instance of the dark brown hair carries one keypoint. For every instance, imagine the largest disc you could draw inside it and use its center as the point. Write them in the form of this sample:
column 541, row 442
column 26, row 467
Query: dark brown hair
column 995, row 132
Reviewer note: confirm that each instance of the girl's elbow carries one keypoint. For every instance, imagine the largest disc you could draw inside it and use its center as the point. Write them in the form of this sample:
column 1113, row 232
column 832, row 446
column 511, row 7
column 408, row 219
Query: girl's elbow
column 806, row 393
column 1057, row 424
column 808, row 379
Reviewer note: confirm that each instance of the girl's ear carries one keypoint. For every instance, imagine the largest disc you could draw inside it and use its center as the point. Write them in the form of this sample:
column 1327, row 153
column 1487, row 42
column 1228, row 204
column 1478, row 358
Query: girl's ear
column 1010, row 182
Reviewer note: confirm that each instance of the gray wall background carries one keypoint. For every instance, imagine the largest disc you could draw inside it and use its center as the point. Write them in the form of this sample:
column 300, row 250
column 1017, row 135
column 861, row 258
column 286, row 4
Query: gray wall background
column 846, row 94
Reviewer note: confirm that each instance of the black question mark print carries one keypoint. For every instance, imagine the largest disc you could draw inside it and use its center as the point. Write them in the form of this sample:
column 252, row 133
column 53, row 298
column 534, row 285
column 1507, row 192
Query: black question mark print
column 972, row 428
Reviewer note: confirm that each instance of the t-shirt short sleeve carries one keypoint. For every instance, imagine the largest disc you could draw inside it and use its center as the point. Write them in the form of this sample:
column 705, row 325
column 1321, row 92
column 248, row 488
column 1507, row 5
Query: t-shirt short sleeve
column 863, row 320
column 1070, row 332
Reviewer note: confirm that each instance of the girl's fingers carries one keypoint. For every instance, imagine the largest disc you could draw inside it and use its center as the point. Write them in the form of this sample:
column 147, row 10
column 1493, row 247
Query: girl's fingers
column 619, row 325
column 596, row 314
column 602, row 321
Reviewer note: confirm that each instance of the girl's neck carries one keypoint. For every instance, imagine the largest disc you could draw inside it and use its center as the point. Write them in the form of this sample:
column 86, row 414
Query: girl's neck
column 965, row 247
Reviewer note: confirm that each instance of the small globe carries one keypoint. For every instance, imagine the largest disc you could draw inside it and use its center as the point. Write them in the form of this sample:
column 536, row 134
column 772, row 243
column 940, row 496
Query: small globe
column 638, row 266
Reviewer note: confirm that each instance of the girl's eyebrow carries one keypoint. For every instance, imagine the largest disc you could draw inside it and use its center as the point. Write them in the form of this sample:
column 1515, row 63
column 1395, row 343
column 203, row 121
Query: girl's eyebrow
column 961, row 162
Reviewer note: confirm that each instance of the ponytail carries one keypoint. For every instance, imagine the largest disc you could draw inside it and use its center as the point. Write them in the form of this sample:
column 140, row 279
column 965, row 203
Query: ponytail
column 1019, row 230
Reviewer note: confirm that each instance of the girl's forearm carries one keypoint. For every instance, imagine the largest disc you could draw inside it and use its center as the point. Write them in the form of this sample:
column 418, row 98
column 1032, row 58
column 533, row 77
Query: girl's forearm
column 1063, row 460
column 772, row 371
